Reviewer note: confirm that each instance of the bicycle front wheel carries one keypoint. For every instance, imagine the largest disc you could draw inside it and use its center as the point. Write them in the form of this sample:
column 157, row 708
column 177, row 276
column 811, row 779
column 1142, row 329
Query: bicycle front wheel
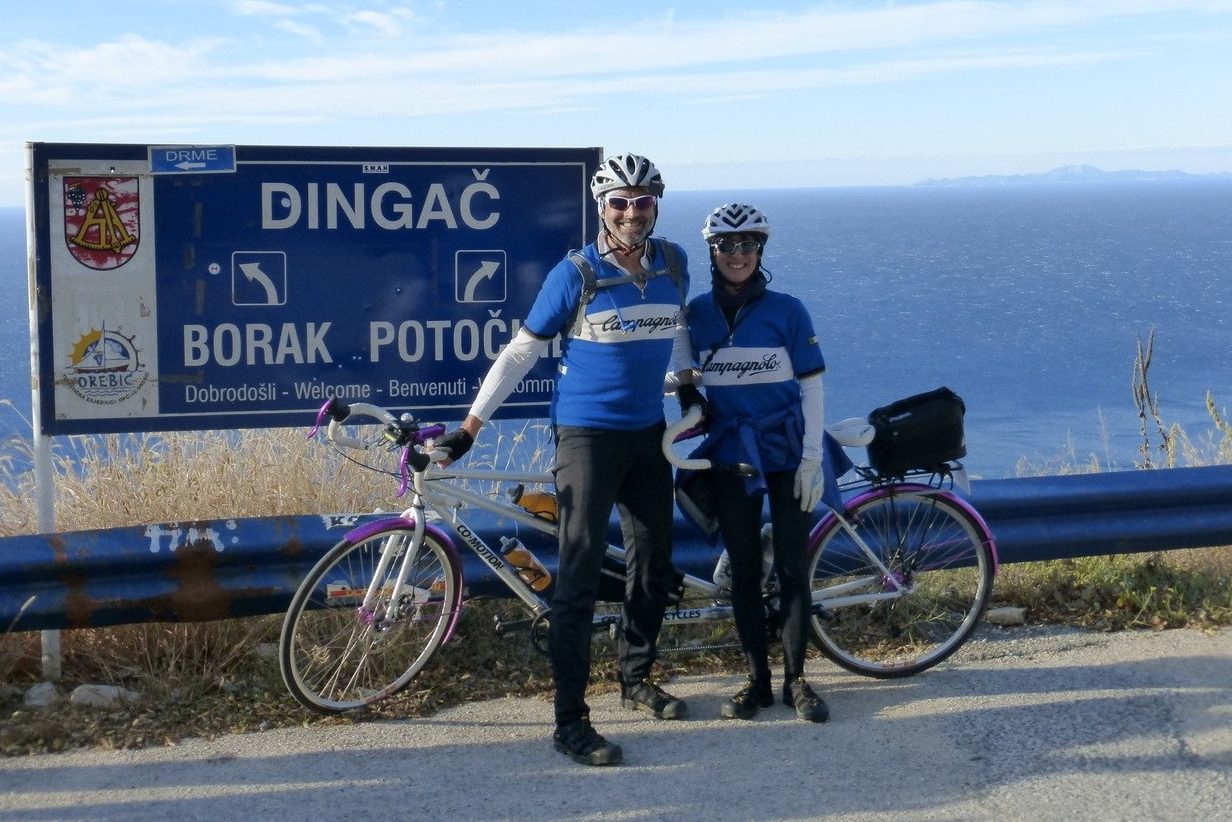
column 335, row 652
column 909, row 591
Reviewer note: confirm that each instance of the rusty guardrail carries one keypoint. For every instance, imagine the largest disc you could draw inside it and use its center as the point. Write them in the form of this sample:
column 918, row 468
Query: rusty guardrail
column 217, row 569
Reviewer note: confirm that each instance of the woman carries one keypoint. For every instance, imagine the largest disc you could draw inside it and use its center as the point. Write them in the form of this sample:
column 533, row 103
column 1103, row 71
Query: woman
column 761, row 367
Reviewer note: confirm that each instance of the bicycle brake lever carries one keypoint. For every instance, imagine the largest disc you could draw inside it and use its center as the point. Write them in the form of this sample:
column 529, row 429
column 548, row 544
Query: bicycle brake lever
column 337, row 411
column 416, row 461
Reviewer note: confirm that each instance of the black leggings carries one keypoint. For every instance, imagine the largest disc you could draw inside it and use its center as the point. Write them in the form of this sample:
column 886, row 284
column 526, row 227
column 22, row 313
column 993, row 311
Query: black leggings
column 596, row 469
column 740, row 517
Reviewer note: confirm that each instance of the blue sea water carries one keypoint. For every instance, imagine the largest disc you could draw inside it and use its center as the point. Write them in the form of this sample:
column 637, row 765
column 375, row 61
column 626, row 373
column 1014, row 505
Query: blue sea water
column 1029, row 301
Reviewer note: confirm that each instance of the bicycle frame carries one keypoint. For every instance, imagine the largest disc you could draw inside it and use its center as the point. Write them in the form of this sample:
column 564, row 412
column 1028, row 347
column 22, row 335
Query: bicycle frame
column 890, row 540
column 437, row 489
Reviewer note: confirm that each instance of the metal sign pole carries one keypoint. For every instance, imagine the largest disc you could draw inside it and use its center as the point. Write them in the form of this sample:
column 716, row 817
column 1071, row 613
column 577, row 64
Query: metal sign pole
column 44, row 476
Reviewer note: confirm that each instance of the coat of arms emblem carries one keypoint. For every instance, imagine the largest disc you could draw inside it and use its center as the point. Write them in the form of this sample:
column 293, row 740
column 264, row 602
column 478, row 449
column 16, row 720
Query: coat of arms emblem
column 102, row 220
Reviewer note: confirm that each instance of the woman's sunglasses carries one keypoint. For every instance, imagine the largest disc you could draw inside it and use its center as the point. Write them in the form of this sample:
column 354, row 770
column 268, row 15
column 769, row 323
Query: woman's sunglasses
column 641, row 203
column 743, row 246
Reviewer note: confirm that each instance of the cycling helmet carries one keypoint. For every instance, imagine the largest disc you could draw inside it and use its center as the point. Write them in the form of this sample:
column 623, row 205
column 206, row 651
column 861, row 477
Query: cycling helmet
column 626, row 171
column 735, row 218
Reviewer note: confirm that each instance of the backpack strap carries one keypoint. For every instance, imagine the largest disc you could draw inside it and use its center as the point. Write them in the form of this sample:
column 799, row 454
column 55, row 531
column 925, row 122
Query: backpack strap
column 672, row 259
column 591, row 282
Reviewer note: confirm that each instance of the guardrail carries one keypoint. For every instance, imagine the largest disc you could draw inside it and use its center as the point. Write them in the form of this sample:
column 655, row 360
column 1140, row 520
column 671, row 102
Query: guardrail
column 217, row 569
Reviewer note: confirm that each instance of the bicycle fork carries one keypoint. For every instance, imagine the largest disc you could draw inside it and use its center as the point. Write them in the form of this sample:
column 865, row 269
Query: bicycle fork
column 393, row 547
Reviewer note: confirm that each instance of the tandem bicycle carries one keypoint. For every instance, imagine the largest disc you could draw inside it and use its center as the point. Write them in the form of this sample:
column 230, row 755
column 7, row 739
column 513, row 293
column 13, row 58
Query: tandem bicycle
column 900, row 575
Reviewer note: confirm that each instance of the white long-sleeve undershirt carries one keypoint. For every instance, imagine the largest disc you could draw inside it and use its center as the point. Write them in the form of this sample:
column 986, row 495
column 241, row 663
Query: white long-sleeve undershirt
column 813, row 402
column 510, row 367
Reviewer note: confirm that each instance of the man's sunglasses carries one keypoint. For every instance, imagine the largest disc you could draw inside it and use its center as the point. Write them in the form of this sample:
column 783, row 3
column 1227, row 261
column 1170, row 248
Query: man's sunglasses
column 641, row 203
column 743, row 246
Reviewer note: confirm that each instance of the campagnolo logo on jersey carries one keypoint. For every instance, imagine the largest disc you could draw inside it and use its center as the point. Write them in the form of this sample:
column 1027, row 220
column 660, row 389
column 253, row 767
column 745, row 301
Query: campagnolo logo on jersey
column 105, row 367
column 653, row 325
column 742, row 369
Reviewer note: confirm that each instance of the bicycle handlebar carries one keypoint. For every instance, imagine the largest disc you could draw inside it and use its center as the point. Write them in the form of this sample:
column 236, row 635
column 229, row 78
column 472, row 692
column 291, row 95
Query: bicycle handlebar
column 404, row 433
column 415, row 440
column 690, row 426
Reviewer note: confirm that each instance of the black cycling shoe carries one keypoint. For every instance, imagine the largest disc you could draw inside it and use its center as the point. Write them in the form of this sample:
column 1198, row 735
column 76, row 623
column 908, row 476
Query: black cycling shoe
column 809, row 706
column 747, row 700
column 648, row 697
column 582, row 743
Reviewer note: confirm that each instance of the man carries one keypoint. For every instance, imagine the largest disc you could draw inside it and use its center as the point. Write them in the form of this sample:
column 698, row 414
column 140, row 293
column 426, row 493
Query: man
column 619, row 310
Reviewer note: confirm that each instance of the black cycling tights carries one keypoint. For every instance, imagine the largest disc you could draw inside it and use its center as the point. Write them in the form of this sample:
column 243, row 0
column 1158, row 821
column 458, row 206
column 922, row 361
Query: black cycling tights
column 740, row 519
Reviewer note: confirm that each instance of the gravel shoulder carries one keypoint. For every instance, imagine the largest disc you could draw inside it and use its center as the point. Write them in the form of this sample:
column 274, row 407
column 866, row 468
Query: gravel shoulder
column 1028, row 723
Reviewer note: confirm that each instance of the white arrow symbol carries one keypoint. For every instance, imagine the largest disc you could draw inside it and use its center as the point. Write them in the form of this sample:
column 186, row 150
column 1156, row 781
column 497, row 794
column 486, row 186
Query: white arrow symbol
column 487, row 270
column 255, row 275
column 186, row 165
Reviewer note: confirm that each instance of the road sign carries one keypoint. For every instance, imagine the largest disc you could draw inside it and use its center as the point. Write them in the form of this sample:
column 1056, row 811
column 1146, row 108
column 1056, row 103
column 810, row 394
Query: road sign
column 185, row 301
column 191, row 159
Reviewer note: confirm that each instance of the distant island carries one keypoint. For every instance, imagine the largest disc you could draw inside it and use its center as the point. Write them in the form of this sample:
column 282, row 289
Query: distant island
column 1074, row 174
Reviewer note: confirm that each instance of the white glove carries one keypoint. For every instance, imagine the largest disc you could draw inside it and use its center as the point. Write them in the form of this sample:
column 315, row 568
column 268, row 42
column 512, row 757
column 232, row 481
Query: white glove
column 808, row 484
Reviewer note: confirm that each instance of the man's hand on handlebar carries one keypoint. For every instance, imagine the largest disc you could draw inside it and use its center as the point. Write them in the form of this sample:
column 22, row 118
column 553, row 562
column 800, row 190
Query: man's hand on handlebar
column 454, row 443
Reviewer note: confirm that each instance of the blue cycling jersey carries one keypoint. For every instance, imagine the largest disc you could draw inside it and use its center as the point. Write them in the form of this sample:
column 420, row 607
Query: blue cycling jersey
column 611, row 373
column 752, row 378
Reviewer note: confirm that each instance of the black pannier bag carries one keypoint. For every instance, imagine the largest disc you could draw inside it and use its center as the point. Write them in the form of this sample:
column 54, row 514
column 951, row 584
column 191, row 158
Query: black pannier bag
column 923, row 431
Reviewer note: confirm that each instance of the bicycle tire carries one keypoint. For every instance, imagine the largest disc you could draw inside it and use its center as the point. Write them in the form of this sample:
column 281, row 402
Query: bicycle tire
column 336, row 656
column 931, row 542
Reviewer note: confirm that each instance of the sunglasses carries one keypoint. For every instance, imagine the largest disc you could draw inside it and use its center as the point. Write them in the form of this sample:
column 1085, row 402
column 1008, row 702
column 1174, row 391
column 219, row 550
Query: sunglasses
column 641, row 203
column 743, row 246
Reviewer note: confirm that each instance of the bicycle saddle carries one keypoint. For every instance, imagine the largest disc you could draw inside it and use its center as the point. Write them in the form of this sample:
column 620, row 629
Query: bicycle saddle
column 852, row 432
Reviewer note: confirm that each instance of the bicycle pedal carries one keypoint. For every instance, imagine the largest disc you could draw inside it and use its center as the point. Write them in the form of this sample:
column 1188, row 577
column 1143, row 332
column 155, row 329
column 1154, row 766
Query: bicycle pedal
column 503, row 627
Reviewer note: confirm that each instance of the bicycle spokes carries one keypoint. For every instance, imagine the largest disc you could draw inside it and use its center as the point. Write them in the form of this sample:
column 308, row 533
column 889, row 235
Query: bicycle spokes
column 904, row 582
column 363, row 624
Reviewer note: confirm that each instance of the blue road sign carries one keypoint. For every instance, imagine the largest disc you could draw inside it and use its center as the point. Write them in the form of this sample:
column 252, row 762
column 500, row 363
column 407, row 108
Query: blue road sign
column 191, row 159
column 245, row 300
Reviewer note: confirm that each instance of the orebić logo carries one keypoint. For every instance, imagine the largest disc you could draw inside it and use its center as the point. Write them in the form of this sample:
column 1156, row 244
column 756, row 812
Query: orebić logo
column 105, row 367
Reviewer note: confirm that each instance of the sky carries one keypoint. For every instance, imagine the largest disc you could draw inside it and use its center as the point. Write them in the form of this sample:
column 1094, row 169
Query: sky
column 725, row 94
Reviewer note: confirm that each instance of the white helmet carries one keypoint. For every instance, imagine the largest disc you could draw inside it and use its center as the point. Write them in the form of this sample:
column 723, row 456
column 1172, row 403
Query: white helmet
column 626, row 171
column 735, row 218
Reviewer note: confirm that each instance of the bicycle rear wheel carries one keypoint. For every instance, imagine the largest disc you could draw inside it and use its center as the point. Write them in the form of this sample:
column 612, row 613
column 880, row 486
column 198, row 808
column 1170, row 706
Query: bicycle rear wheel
column 334, row 653
column 930, row 545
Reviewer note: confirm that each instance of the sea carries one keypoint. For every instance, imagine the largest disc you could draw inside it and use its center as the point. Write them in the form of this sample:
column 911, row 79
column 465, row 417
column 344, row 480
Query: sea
column 1030, row 301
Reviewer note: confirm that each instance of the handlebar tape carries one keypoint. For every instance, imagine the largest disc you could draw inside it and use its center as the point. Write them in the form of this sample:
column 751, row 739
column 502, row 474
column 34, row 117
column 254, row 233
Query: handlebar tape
column 418, row 460
column 338, row 411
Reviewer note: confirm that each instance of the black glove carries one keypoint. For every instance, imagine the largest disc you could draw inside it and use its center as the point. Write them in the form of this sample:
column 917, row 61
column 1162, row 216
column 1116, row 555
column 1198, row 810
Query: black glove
column 456, row 443
column 689, row 396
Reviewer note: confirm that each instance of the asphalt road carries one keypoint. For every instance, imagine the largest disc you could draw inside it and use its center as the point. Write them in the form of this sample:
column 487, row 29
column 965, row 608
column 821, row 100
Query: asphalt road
column 1026, row 724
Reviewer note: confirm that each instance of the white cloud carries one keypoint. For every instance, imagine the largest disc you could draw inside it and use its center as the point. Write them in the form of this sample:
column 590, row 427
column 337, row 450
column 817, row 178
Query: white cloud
column 284, row 72
column 263, row 8
column 303, row 30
